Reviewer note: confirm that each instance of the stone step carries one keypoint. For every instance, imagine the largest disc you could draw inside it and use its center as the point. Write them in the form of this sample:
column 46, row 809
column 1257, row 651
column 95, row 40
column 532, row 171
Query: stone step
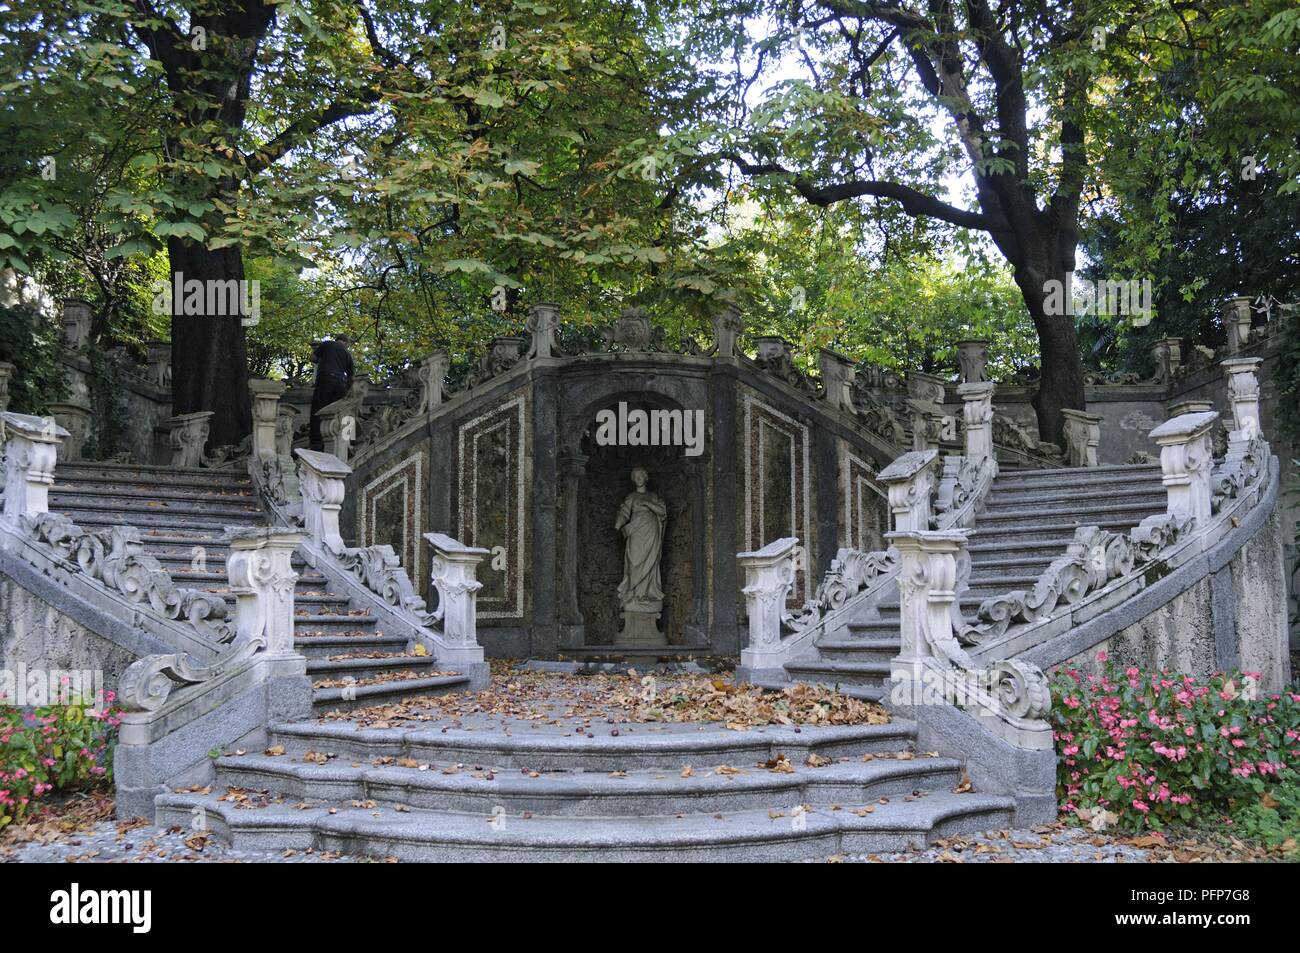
column 173, row 523
column 323, row 646
column 363, row 696
column 1045, row 549
column 238, row 493
column 638, row 746
column 1050, row 531
column 360, row 668
column 1010, row 497
column 1065, row 512
column 834, row 672
column 988, row 562
column 1074, row 476
column 763, row 835
column 647, row 792
column 156, row 476
column 126, row 509
column 182, row 575
column 879, row 651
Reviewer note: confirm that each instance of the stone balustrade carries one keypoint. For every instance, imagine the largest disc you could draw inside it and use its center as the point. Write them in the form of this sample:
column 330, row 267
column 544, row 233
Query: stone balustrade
column 769, row 577
column 31, row 448
column 1187, row 460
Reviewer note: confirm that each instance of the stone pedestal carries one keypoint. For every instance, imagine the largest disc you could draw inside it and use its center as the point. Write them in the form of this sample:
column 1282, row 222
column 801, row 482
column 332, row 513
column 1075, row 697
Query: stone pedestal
column 1082, row 437
column 266, row 406
column 262, row 578
column 640, row 628
column 321, row 480
column 837, row 380
column 1187, row 461
column 187, row 435
column 30, row 451
column 910, row 479
column 1237, row 318
column 542, row 323
column 6, row 375
column 973, row 359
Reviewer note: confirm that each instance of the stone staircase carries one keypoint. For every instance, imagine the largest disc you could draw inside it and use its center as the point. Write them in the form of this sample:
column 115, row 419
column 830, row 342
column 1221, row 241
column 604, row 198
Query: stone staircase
column 182, row 516
column 1027, row 521
column 520, row 791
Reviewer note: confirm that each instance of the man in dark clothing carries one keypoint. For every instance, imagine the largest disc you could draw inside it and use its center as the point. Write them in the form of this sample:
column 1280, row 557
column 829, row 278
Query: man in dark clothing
column 333, row 378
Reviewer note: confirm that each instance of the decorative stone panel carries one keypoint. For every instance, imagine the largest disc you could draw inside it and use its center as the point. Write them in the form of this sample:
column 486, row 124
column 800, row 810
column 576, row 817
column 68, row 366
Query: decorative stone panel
column 390, row 510
column 491, row 503
column 866, row 511
column 777, row 483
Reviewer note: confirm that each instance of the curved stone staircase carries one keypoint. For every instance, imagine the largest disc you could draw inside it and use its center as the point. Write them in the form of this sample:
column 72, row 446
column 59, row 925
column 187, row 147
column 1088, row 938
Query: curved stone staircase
column 1027, row 520
column 524, row 792
column 182, row 516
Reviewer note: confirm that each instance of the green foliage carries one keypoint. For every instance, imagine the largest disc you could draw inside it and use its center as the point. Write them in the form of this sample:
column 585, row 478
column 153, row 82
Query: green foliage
column 31, row 343
column 1145, row 749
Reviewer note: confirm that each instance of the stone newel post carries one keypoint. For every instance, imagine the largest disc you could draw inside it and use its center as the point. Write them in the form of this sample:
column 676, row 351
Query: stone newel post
column 1082, row 437
column 542, row 323
column 338, row 426
column 321, row 479
column 31, row 448
column 769, row 576
column 187, row 434
column 927, row 581
column 837, row 379
column 977, row 413
column 910, row 479
column 262, row 578
column 1187, row 458
column 266, row 408
column 454, row 573
column 1237, row 318
column 1243, row 395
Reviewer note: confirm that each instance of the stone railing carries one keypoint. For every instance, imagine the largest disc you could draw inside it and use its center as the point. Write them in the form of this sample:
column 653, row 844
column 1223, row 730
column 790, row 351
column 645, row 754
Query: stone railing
column 374, row 575
column 1101, row 569
column 177, row 708
column 108, row 568
column 855, row 578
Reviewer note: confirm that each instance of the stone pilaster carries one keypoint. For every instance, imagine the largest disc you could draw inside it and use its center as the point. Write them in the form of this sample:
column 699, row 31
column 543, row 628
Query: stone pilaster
column 1082, row 437
column 6, row 375
column 728, row 325
column 977, row 415
column 1186, row 458
column 1237, row 318
column 187, row 435
column 910, row 480
column 266, row 407
column 159, row 362
column 973, row 359
column 1243, row 396
column 837, row 380
column 542, row 323
column 75, row 418
column 321, row 479
column 454, row 573
column 31, row 447
column 769, row 577
column 76, row 325
column 262, row 578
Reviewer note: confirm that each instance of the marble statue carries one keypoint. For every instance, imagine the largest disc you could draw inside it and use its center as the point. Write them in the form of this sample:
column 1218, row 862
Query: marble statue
column 641, row 520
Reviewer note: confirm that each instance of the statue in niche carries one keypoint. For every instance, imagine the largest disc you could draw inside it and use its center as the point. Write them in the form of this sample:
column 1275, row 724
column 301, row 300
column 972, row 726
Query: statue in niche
column 641, row 520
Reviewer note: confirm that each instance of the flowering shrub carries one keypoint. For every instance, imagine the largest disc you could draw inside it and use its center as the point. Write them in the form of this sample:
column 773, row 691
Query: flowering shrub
column 49, row 749
column 1139, row 750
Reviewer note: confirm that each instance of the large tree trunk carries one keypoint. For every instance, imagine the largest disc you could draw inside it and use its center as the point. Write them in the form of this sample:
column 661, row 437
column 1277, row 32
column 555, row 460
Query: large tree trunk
column 1061, row 384
column 209, row 361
